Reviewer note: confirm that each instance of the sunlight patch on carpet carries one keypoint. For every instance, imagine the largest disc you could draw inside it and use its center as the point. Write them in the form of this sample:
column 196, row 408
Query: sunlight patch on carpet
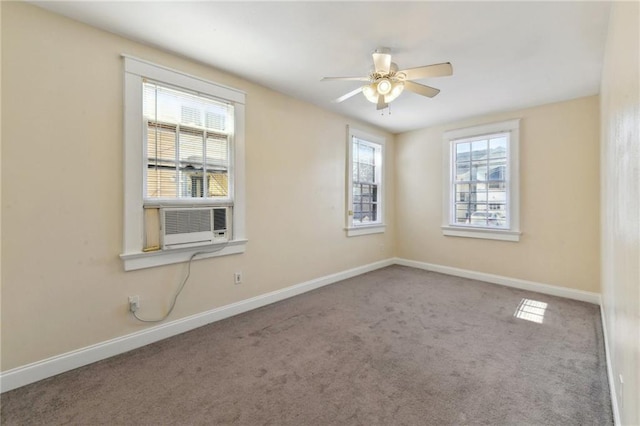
column 531, row 310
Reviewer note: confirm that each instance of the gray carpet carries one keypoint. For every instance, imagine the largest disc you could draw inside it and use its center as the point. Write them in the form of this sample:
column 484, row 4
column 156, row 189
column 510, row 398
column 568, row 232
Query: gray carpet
column 398, row 346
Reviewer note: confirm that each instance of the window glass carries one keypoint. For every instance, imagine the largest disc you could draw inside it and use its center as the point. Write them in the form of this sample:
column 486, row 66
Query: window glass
column 366, row 181
column 187, row 144
column 479, row 191
column 365, row 184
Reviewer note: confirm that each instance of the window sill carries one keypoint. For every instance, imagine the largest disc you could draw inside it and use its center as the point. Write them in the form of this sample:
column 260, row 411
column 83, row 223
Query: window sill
column 488, row 234
column 141, row 260
column 354, row 231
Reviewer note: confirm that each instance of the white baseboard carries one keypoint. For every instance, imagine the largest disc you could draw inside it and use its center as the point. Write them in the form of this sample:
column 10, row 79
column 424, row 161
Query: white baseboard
column 569, row 293
column 21, row 376
column 612, row 381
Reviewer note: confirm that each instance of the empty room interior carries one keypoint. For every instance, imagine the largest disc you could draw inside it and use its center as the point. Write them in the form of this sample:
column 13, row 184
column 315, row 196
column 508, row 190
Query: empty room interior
column 312, row 213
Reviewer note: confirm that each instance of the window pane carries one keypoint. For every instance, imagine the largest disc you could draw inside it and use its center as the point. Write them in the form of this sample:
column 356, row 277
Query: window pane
column 174, row 106
column 462, row 193
column 478, row 218
column 368, row 214
column 497, row 196
column 462, row 151
column 217, row 153
column 161, row 142
column 161, row 161
column 479, row 170
column 190, row 148
column 191, row 116
column 498, row 147
column 478, row 192
column 365, row 169
column 161, row 180
column 366, row 173
column 462, row 171
column 462, row 213
column 483, row 215
column 366, row 154
column 500, row 211
column 178, row 149
column 479, row 150
column 218, row 184
column 191, row 183
column 216, row 118
column 497, row 169
column 497, row 185
column 479, row 181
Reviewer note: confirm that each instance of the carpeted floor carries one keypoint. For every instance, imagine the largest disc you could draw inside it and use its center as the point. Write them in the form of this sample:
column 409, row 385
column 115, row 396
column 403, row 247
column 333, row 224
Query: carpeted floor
column 398, row 346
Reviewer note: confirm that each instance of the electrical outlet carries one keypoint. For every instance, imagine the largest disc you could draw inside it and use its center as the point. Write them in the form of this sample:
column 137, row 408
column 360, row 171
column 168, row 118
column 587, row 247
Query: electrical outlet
column 237, row 278
column 134, row 303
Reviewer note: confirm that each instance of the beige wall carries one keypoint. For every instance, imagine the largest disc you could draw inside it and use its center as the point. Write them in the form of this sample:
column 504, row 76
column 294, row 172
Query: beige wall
column 63, row 285
column 558, row 199
column 620, row 163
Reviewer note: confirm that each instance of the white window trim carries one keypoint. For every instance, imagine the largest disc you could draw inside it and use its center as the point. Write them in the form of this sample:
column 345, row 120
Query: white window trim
column 133, row 152
column 374, row 227
column 513, row 197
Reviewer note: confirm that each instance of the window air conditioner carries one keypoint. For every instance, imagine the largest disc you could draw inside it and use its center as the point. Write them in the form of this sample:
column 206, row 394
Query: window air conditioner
column 190, row 227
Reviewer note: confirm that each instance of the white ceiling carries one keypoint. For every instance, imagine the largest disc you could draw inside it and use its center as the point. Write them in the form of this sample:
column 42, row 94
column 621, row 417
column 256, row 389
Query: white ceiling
column 505, row 55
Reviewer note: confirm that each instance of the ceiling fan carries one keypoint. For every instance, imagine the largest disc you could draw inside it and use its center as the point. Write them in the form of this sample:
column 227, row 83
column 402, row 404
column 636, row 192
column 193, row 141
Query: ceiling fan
column 386, row 82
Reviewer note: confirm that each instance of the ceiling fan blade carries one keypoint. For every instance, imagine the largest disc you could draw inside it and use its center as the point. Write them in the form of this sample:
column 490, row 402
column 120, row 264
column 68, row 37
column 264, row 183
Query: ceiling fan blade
column 345, row 78
column 421, row 89
column 381, row 62
column 381, row 103
column 348, row 95
column 428, row 71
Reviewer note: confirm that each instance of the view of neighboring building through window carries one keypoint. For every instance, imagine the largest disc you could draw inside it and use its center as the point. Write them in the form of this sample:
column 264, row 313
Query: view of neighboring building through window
column 480, row 181
column 187, row 145
column 366, row 181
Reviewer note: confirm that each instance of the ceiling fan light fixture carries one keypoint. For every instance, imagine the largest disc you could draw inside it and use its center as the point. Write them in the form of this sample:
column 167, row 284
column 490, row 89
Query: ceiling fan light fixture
column 384, row 86
column 370, row 92
column 397, row 89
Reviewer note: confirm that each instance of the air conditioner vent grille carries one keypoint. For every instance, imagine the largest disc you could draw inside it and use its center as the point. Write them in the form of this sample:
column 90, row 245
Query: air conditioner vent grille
column 187, row 221
column 220, row 219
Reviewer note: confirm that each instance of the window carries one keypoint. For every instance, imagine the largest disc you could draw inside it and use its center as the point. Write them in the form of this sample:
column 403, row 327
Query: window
column 481, row 198
column 365, row 207
column 183, row 165
column 183, row 157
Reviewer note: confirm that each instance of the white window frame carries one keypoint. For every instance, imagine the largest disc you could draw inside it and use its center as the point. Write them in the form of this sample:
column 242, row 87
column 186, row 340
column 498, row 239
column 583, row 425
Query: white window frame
column 353, row 228
column 449, row 227
column 135, row 70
